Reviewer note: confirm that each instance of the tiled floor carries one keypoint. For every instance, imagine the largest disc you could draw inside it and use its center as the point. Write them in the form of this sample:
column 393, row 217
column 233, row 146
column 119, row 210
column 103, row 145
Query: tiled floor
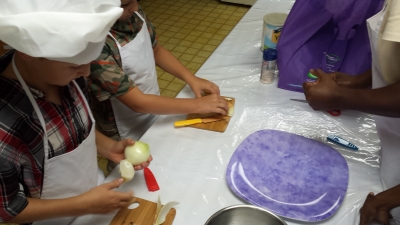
column 191, row 30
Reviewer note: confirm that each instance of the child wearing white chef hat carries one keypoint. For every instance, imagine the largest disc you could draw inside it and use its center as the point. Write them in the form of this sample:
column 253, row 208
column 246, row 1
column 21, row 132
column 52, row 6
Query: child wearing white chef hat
column 48, row 172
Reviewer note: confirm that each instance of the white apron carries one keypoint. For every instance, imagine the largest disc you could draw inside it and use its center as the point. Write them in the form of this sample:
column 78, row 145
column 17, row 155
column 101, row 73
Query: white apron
column 138, row 63
column 69, row 174
column 388, row 128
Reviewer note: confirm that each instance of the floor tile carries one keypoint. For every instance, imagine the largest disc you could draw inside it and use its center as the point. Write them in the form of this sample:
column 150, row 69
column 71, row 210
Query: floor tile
column 177, row 87
column 162, row 84
column 191, row 30
column 168, row 93
column 167, row 77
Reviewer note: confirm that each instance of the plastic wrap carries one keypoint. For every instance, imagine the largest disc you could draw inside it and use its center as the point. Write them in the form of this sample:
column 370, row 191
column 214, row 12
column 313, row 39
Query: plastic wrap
column 190, row 164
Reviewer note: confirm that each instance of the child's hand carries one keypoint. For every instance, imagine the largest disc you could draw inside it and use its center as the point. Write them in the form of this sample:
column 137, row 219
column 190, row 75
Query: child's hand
column 103, row 199
column 199, row 85
column 144, row 165
column 116, row 153
column 212, row 103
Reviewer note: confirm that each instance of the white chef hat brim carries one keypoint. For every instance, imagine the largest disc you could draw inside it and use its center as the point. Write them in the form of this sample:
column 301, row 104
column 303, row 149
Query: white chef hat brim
column 71, row 31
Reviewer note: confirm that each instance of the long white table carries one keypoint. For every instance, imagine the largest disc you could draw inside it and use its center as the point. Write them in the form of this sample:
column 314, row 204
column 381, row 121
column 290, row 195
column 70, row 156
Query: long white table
column 190, row 164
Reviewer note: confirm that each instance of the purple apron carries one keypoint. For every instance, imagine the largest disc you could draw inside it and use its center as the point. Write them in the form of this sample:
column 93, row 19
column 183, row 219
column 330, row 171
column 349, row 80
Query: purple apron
column 327, row 34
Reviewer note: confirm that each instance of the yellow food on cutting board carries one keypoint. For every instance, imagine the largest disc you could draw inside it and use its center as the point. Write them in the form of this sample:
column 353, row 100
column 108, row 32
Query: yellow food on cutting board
column 231, row 107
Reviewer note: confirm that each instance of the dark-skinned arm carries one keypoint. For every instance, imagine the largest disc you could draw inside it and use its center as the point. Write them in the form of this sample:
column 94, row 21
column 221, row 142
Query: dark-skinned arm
column 326, row 94
column 360, row 81
column 378, row 206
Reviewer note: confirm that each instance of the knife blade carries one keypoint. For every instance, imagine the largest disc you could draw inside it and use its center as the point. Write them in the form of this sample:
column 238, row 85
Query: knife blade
column 182, row 123
column 299, row 100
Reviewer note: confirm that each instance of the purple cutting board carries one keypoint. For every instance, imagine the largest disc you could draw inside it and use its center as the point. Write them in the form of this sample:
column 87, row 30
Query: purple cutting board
column 293, row 176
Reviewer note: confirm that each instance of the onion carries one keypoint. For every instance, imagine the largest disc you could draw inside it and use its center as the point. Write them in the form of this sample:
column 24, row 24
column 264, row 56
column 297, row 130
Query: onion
column 126, row 170
column 162, row 211
column 137, row 153
column 230, row 105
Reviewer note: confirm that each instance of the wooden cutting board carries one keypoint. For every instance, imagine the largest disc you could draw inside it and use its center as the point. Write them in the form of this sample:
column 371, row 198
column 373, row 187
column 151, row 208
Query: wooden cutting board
column 144, row 214
column 218, row 126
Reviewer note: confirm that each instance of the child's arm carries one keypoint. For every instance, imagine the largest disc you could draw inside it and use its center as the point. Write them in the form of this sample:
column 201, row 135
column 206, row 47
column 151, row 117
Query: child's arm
column 169, row 63
column 154, row 104
column 99, row 200
column 326, row 94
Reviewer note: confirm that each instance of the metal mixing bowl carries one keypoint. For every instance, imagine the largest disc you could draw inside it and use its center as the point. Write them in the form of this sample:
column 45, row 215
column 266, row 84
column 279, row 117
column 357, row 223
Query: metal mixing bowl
column 244, row 215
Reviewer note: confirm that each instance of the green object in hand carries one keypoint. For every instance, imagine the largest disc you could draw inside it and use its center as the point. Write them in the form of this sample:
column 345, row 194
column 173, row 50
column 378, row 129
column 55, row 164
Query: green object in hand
column 312, row 76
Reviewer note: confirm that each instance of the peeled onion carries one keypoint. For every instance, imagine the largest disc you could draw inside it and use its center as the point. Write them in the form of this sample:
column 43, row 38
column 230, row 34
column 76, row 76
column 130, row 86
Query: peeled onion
column 126, row 170
column 138, row 153
column 230, row 105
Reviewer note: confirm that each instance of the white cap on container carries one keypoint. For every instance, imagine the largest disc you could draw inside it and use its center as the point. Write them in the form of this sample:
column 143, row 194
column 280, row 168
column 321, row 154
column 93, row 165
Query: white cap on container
column 275, row 19
column 71, row 31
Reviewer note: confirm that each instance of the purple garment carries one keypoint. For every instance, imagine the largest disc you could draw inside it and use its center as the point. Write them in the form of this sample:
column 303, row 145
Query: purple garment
column 328, row 34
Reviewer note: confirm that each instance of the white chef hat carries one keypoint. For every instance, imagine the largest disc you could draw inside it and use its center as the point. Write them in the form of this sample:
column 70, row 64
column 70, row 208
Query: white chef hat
column 71, row 31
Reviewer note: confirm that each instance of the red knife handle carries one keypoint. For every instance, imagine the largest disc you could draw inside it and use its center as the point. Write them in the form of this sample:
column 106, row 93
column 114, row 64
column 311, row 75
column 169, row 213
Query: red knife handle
column 150, row 180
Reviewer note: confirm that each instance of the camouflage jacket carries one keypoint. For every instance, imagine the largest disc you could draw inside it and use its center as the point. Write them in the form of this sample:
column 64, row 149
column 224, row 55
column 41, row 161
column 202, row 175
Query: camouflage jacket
column 107, row 79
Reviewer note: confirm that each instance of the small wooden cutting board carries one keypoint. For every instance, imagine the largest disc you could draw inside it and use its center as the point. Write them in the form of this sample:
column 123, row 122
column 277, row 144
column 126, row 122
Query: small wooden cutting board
column 218, row 126
column 144, row 214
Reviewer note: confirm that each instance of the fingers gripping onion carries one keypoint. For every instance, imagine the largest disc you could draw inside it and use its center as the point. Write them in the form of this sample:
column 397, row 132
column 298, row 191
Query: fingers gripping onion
column 126, row 170
column 137, row 153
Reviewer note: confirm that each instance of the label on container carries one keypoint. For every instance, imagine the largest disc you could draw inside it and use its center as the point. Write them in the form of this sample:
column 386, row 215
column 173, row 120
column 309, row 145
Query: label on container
column 273, row 23
column 271, row 36
column 275, row 35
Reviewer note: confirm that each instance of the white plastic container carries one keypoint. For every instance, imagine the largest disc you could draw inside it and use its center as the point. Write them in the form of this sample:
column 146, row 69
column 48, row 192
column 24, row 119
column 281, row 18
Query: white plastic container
column 273, row 23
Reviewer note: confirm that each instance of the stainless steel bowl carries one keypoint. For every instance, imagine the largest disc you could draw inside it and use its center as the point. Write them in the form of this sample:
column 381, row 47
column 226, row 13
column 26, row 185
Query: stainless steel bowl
column 244, row 215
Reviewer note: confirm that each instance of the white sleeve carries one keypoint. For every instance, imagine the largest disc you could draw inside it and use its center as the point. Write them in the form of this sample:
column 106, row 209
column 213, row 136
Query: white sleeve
column 392, row 29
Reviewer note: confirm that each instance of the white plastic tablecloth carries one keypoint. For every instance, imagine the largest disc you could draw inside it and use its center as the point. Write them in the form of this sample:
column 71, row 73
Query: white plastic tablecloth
column 190, row 164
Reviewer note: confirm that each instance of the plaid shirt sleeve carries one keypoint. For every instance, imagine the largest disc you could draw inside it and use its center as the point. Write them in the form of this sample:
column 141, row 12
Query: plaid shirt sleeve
column 12, row 194
column 107, row 79
column 13, row 200
column 12, row 197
